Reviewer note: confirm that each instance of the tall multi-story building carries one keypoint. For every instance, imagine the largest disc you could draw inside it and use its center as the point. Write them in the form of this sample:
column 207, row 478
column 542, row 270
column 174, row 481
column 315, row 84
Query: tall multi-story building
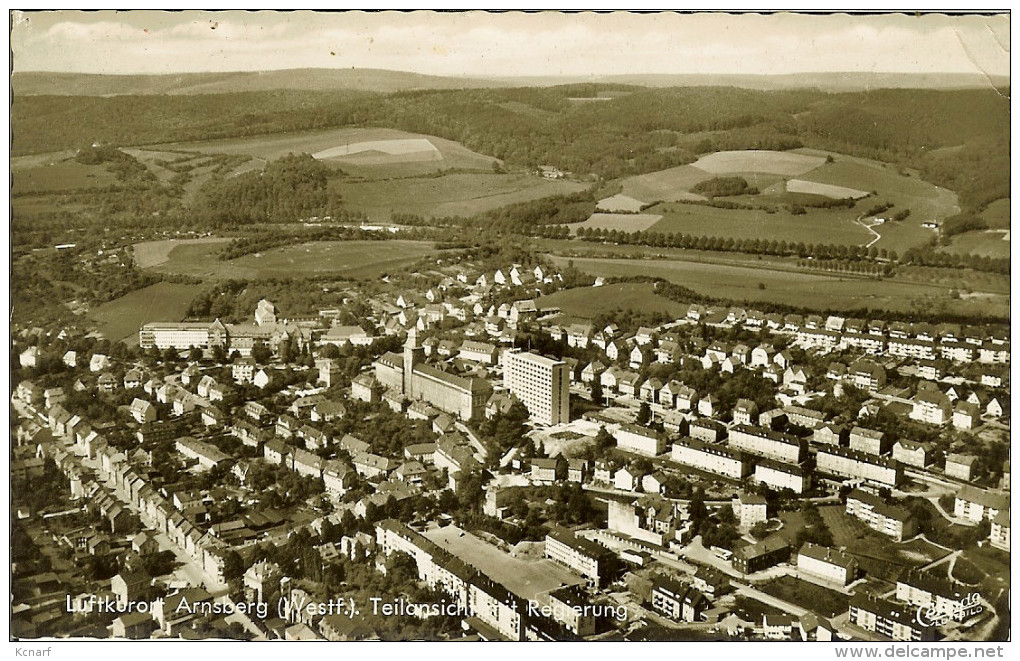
column 543, row 384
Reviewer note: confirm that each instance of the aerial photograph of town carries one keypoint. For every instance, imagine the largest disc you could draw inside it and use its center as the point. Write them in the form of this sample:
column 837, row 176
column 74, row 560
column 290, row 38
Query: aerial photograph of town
column 498, row 326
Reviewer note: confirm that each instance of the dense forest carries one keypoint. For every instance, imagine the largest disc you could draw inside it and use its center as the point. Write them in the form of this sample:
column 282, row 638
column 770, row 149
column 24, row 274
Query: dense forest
column 958, row 139
column 289, row 188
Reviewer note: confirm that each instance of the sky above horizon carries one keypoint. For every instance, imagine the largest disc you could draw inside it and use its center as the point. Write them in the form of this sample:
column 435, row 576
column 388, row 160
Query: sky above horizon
column 482, row 44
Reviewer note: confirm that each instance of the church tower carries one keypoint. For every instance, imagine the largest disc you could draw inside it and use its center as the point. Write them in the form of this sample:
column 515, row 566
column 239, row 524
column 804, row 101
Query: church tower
column 413, row 353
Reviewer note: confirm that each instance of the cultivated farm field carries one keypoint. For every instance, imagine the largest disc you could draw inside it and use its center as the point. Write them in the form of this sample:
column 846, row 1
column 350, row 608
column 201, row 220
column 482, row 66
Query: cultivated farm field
column 786, row 163
column 356, row 259
column 449, row 195
column 825, row 190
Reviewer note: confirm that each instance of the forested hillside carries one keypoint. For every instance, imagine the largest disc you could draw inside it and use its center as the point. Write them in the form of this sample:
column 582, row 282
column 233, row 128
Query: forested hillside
column 959, row 139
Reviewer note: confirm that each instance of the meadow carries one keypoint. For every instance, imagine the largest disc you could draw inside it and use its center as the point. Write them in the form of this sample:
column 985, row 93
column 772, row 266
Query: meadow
column 355, row 259
column 58, row 176
column 153, row 253
column 834, row 226
column 587, row 302
column 449, row 195
column 926, row 201
column 121, row 318
column 990, row 243
column 997, row 214
column 808, row 290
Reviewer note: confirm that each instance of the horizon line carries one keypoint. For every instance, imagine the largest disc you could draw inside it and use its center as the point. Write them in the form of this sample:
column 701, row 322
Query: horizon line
column 519, row 76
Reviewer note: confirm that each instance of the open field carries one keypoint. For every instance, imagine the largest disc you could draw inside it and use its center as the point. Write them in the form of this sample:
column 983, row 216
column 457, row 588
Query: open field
column 58, row 176
column 672, row 184
column 889, row 184
column 587, row 302
column 980, row 283
column 275, row 145
column 809, row 290
column 23, row 207
column 997, row 214
column 990, row 243
column 523, row 578
column 356, row 259
column 835, row 226
column 816, row 598
column 120, row 318
column 625, row 222
column 152, row 253
column 450, row 195
column 900, row 236
column 796, row 177
column 786, row 163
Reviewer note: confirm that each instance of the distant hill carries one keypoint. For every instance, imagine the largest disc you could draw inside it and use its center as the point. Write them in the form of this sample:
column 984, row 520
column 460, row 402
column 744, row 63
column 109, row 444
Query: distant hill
column 847, row 81
column 32, row 83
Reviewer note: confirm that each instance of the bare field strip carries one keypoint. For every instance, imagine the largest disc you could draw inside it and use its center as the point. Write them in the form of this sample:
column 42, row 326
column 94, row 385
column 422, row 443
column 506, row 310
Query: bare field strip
column 826, row 190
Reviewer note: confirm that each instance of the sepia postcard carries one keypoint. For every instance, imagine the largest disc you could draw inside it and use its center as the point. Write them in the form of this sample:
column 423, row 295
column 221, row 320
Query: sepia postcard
column 503, row 326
